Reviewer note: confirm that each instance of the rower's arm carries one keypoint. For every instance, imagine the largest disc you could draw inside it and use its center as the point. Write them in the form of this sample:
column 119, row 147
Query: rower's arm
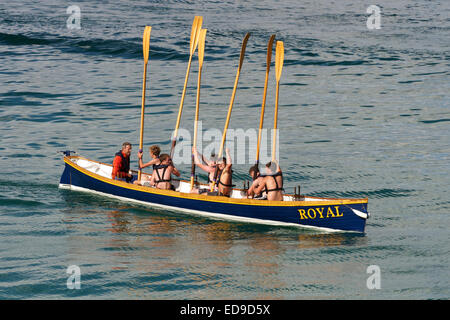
column 251, row 190
column 206, row 161
column 116, row 165
column 197, row 162
column 229, row 164
column 205, row 167
column 152, row 179
column 148, row 164
column 278, row 166
column 261, row 187
column 175, row 171
column 196, row 158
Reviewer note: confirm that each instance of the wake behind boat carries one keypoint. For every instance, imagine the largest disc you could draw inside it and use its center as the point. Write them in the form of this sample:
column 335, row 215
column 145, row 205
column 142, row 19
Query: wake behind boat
column 328, row 214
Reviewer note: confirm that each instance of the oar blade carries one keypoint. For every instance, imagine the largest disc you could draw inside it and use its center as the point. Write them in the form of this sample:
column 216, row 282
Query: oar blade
column 201, row 46
column 195, row 32
column 243, row 47
column 279, row 59
column 269, row 51
column 146, row 42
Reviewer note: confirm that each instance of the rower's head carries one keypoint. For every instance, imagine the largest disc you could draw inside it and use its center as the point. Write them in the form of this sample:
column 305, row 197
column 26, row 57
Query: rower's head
column 164, row 158
column 222, row 164
column 213, row 160
column 126, row 148
column 254, row 172
column 271, row 167
column 154, row 151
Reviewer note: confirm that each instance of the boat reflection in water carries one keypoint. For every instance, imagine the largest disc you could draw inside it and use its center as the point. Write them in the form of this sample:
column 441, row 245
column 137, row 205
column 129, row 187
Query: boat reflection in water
column 164, row 252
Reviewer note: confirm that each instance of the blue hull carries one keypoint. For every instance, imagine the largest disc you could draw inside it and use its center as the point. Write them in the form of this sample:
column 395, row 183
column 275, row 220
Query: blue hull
column 334, row 214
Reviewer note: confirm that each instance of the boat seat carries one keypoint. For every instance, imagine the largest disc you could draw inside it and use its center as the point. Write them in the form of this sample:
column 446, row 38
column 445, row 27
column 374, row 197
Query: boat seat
column 102, row 170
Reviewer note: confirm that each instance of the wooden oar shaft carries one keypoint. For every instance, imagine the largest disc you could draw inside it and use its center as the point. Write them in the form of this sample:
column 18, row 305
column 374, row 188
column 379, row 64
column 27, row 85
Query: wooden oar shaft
column 183, row 94
column 261, row 121
column 201, row 55
column 196, row 127
column 227, row 122
column 233, row 94
column 144, row 85
column 141, row 133
column 195, row 34
column 193, row 157
column 197, row 107
column 145, row 48
column 275, row 122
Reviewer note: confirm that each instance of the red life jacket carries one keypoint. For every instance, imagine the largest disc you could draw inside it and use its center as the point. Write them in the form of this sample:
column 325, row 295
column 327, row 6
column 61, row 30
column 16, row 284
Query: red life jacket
column 125, row 165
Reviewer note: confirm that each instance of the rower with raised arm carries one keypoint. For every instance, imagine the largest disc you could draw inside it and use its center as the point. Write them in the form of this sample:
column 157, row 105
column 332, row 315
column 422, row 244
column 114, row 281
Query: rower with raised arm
column 223, row 185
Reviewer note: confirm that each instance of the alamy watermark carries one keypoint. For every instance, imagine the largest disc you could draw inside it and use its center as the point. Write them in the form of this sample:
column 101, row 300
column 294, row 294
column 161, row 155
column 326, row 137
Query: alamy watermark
column 74, row 280
column 241, row 143
column 374, row 20
column 374, row 280
column 74, row 20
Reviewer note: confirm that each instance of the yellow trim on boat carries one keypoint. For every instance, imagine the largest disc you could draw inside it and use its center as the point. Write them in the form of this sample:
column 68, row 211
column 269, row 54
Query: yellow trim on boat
column 220, row 199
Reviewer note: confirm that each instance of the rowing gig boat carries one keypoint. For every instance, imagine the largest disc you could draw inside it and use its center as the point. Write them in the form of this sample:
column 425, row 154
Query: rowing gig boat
column 328, row 214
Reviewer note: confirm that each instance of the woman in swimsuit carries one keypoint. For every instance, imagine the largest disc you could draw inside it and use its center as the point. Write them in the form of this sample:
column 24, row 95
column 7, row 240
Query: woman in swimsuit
column 257, row 178
column 162, row 173
column 272, row 183
column 154, row 155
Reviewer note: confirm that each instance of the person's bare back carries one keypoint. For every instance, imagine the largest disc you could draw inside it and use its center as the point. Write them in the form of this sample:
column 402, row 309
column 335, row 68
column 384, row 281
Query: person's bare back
column 162, row 174
column 272, row 183
column 225, row 187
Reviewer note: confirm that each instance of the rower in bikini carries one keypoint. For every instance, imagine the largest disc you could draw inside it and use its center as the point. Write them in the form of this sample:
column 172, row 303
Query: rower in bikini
column 272, row 182
column 162, row 173
column 154, row 152
column 257, row 179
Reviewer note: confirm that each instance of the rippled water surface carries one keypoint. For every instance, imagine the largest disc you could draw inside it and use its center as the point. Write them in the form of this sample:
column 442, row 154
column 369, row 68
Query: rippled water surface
column 363, row 113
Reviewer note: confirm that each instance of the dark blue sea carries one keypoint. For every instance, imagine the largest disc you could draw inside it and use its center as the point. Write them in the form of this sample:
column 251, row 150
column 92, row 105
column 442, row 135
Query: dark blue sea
column 362, row 113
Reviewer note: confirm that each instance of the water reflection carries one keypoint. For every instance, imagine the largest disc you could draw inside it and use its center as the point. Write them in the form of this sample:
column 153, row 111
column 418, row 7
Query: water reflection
column 204, row 258
column 307, row 241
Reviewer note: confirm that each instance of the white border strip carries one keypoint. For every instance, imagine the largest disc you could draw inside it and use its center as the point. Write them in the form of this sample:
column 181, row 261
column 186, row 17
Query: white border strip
column 201, row 213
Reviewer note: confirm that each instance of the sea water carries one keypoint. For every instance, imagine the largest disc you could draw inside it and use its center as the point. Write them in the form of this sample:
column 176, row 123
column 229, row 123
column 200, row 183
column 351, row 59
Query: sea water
column 363, row 112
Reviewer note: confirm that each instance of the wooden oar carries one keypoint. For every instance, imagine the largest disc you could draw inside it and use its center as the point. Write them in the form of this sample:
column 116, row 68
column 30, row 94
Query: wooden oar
column 261, row 121
column 201, row 54
column 195, row 32
column 145, row 47
column 224, row 134
column 279, row 58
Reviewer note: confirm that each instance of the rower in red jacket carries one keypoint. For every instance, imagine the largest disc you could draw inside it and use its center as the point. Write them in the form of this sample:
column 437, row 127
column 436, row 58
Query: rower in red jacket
column 121, row 164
